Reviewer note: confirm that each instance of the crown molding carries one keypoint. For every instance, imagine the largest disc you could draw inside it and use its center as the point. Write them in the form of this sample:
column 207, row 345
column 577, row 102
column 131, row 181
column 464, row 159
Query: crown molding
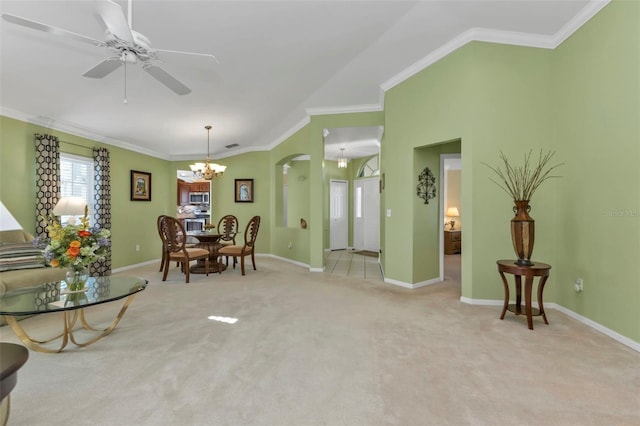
column 501, row 37
column 348, row 109
column 62, row 126
column 581, row 18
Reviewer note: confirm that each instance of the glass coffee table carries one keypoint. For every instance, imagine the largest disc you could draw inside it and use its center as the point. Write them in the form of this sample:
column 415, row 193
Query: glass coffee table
column 54, row 297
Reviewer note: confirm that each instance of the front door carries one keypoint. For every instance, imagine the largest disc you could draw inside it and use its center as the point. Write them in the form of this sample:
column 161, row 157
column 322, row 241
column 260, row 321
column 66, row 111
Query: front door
column 339, row 221
column 366, row 215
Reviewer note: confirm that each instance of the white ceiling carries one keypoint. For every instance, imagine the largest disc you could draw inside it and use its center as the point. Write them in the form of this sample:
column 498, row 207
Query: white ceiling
column 279, row 61
column 352, row 142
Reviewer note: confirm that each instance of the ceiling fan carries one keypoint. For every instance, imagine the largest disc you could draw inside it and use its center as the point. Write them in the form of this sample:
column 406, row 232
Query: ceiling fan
column 129, row 45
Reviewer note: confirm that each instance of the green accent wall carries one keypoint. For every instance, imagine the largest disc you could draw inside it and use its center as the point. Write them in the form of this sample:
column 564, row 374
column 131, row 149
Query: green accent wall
column 252, row 165
column 132, row 222
column 581, row 100
column 596, row 87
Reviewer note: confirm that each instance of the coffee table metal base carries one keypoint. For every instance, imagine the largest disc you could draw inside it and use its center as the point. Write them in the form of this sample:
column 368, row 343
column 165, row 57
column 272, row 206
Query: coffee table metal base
column 70, row 320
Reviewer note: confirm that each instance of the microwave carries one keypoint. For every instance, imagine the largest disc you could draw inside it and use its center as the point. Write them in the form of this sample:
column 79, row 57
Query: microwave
column 198, row 198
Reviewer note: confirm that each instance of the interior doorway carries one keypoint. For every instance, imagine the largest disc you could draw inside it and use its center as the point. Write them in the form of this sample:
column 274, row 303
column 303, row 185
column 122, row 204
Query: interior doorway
column 450, row 199
column 338, row 214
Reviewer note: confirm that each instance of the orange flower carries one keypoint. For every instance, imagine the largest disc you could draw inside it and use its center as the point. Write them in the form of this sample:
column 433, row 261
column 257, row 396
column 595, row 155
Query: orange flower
column 73, row 251
column 84, row 233
column 75, row 244
column 54, row 263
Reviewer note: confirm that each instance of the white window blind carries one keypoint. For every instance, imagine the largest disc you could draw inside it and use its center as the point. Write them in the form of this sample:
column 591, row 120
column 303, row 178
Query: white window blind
column 76, row 178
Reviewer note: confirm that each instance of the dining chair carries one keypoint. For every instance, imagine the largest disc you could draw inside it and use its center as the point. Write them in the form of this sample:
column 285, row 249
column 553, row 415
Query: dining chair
column 248, row 249
column 164, row 253
column 174, row 240
column 228, row 228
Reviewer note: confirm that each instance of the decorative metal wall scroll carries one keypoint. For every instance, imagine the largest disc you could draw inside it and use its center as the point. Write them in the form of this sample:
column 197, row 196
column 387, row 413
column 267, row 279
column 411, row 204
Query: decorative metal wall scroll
column 426, row 188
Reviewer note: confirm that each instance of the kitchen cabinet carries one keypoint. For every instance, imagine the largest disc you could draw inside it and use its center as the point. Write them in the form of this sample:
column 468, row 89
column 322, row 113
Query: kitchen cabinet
column 183, row 192
column 184, row 188
column 452, row 242
column 200, row 187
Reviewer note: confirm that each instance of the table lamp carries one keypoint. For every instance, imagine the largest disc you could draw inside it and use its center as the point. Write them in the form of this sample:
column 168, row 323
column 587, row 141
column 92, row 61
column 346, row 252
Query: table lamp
column 70, row 206
column 452, row 212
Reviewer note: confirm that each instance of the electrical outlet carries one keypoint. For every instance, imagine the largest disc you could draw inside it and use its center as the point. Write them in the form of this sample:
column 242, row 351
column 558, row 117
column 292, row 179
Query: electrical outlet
column 290, row 244
column 578, row 285
column 137, row 247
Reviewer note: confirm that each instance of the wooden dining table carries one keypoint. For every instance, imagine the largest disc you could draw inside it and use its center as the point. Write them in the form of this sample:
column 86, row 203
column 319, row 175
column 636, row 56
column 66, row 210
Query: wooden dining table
column 208, row 240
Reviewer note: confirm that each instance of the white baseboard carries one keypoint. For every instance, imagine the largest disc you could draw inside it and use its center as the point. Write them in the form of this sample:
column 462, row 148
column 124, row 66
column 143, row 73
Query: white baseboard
column 412, row 286
column 136, row 265
column 284, row 259
column 596, row 326
column 599, row 327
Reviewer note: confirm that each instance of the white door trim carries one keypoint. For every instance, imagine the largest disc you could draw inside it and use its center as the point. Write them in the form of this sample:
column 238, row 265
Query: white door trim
column 443, row 186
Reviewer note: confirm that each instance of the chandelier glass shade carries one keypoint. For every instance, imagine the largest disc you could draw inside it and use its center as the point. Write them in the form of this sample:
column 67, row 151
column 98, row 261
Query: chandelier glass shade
column 207, row 170
column 342, row 162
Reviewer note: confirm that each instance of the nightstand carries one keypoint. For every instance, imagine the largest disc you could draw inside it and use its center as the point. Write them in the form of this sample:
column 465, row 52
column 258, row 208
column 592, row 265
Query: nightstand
column 452, row 241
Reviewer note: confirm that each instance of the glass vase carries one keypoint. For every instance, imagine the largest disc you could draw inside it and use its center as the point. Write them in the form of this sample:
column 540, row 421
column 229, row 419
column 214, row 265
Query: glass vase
column 76, row 279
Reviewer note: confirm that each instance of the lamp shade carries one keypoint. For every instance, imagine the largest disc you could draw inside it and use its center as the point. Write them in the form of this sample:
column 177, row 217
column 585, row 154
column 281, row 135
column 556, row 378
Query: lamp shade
column 7, row 221
column 453, row 212
column 70, row 206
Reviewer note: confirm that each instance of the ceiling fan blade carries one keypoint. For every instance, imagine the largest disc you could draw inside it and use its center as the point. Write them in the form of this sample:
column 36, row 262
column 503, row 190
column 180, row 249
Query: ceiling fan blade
column 167, row 79
column 49, row 29
column 113, row 17
column 189, row 53
column 105, row 67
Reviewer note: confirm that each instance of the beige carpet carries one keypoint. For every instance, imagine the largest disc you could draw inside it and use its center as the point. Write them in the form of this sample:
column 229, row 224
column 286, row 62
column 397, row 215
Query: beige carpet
column 323, row 349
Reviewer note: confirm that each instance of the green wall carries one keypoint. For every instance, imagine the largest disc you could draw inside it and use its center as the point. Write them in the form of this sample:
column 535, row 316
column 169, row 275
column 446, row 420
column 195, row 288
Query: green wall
column 596, row 86
column 430, row 108
column 310, row 141
column 253, row 165
column 580, row 100
column 132, row 222
column 294, row 146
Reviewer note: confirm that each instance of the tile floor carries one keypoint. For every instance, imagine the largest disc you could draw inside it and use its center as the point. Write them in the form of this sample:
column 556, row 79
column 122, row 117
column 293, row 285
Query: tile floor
column 351, row 264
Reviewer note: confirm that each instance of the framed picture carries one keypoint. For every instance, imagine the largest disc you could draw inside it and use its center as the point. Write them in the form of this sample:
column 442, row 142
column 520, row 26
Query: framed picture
column 140, row 186
column 244, row 191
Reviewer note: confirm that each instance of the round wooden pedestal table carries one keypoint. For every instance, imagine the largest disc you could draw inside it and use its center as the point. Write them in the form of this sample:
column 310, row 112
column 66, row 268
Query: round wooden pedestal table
column 537, row 269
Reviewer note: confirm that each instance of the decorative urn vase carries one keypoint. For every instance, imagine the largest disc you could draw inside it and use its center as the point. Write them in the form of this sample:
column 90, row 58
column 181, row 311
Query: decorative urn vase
column 522, row 232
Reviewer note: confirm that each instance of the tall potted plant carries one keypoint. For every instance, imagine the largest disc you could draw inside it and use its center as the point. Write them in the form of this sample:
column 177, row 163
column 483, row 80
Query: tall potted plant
column 520, row 182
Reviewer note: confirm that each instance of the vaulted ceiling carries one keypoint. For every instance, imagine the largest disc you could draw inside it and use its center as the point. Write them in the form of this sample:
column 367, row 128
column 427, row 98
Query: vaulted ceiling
column 278, row 62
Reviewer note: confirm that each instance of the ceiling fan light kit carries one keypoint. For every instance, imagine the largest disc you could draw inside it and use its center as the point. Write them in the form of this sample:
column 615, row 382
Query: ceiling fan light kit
column 129, row 45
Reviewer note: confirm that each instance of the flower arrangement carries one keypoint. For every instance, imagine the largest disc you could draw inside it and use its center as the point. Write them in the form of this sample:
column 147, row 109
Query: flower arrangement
column 520, row 182
column 74, row 245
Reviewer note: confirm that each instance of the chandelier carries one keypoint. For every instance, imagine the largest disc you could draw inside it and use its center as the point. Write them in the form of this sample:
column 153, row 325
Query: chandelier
column 207, row 170
column 342, row 162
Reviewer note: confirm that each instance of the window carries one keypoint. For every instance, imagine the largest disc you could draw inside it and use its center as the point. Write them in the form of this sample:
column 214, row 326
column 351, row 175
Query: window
column 76, row 178
column 358, row 202
column 370, row 168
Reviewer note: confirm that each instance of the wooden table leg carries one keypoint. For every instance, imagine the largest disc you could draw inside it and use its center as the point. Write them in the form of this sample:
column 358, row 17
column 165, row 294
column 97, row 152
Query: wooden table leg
column 528, row 284
column 518, row 279
column 506, row 295
column 543, row 280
